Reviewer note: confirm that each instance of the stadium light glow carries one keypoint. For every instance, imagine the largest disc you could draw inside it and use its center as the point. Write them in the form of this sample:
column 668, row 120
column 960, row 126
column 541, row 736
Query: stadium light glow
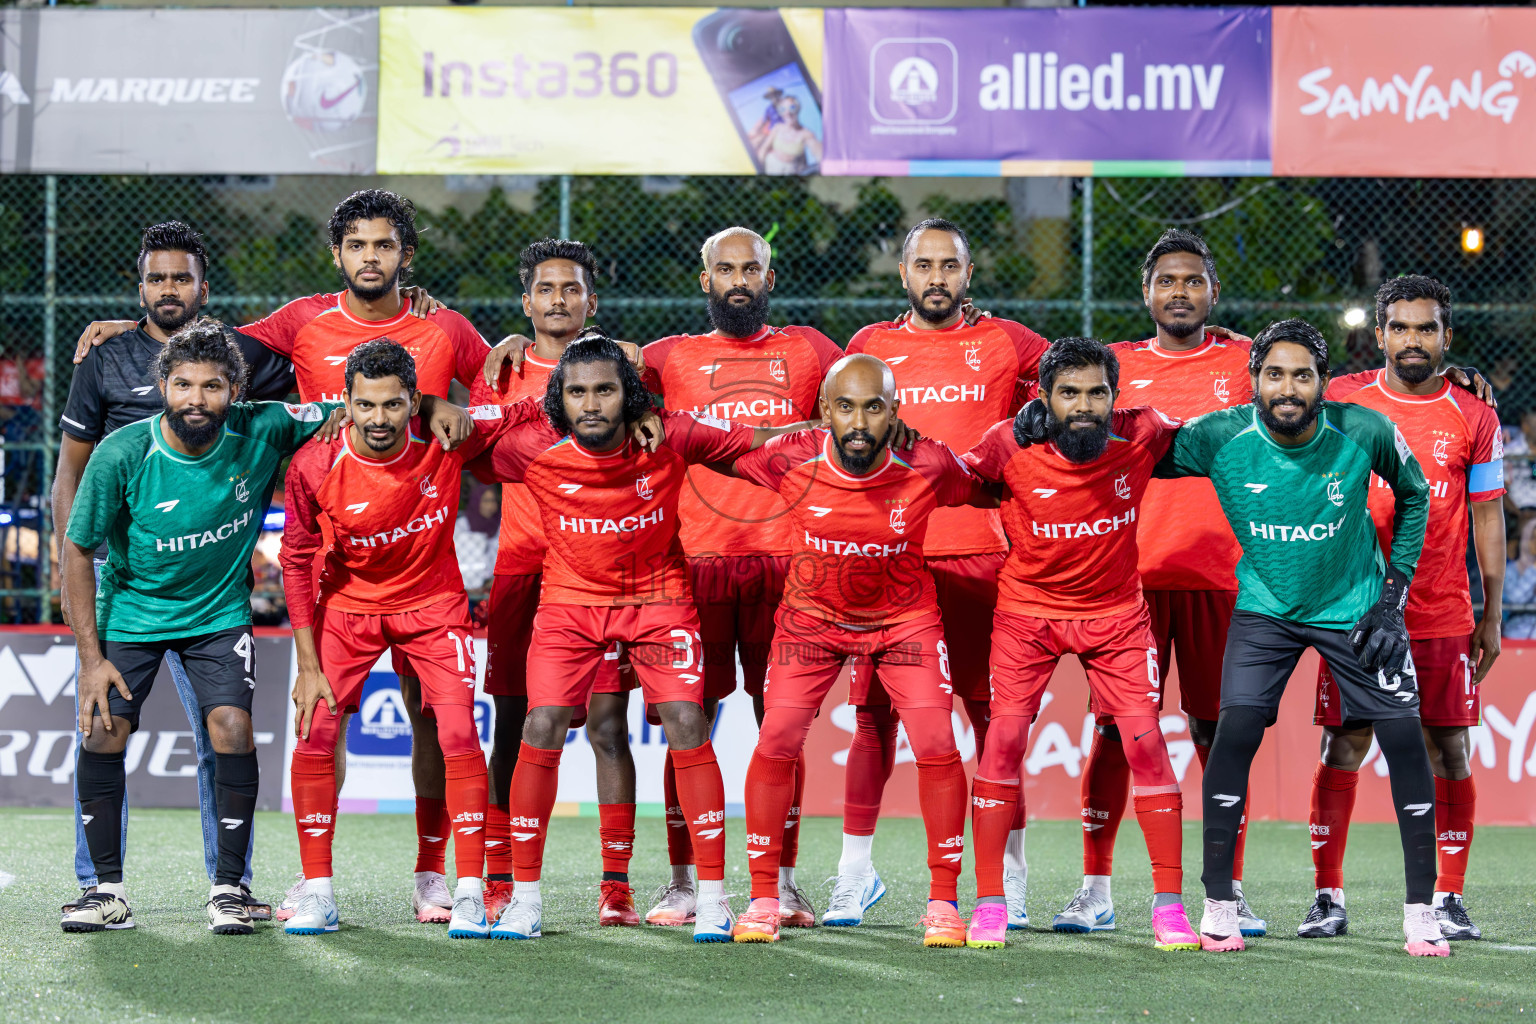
column 1472, row 239
column 1354, row 316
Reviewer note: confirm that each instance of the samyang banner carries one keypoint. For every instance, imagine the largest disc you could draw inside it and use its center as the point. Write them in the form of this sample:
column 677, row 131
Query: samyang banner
column 551, row 90
column 1053, row 92
column 188, row 92
column 1411, row 92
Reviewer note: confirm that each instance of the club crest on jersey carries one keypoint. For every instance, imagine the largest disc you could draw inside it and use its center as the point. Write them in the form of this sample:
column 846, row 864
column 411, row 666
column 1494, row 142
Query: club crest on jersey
column 899, row 519
column 1123, row 487
column 973, row 357
column 1442, row 451
column 777, row 370
column 1336, row 492
column 428, row 488
column 643, row 487
column 242, row 487
column 1223, row 393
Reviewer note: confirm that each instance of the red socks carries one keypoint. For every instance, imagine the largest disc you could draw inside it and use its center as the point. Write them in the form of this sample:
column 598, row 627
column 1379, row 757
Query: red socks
column 941, row 794
column 431, row 834
column 679, row 846
column 498, row 841
column 313, row 778
column 701, row 795
column 1455, row 802
column 532, row 799
column 992, row 811
column 791, row 849
column 466, row 792
column 1161, row 816
column 616, row 830
column 1106, row 781
column 770, row 792
column 1333, row 801
column 871, row 757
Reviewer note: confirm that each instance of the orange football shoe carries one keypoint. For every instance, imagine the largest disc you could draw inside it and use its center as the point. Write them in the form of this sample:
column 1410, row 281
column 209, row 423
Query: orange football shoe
column 498, row 894
column 616, row 906
column 942, row 927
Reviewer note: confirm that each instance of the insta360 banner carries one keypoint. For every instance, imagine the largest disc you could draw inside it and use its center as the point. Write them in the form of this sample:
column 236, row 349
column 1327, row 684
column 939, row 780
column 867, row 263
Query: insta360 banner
column 600, row 91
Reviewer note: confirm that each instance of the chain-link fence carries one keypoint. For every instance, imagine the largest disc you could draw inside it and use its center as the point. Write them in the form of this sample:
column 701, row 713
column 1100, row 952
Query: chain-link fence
column 1062, row 255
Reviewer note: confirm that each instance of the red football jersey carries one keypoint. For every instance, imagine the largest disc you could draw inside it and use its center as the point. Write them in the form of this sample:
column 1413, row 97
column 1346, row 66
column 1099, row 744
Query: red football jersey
column 391, row 519
column 1456, row 439
column 520, row 549
column 319, row 332
column 610, row 519
column 1185, row 540
column 1073, row 527
column 768, row 380
column 953, row 385
column 857, row 555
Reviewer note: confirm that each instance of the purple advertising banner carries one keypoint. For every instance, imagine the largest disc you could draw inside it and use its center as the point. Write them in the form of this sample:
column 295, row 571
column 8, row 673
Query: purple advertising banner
column 1060, row 91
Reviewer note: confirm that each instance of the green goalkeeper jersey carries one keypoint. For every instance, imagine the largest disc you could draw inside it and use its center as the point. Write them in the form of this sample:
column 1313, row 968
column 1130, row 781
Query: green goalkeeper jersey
column 1310, row 553
column 180, row 529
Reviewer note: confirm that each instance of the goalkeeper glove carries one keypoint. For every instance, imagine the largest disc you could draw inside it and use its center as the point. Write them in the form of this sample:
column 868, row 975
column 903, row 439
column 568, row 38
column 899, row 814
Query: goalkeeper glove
column 1029, row 424
column 1380, row 638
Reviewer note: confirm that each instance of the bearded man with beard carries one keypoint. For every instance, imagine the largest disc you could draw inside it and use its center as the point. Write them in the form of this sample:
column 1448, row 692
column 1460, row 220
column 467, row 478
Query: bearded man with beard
column 1074, row 469
column 1459, row 446
column 736, row 536
column 1294, row 476
column 957, row 373
column 116, row 385
column 178, row 499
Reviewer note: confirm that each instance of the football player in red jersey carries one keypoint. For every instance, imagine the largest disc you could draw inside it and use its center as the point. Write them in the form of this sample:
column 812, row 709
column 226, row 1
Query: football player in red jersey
column 1457, row 440
column 858, row 586
column 389, row 581
column 614, row 571
column 373, row 242
column 955, row 377
column 1186, row 549
column 1075, row 470
column 559, row 279
column 736, row 536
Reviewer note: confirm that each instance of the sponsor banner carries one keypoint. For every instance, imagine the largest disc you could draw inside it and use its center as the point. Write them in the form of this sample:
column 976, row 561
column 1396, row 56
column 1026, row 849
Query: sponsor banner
column 1058, row 92
column 37, row 726
column 199, row 92
column 1280, row 786
column 1433, row 92
column 550, row 90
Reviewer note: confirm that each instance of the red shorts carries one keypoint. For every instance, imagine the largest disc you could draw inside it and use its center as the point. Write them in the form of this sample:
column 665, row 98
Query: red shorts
column 967, row 591
column 509, row 631
column 1118, row 653
column 1191, row 625
column 1447, row 695
column 438, row 640
column 660, row 641
column 808, row 654
column 736, row 598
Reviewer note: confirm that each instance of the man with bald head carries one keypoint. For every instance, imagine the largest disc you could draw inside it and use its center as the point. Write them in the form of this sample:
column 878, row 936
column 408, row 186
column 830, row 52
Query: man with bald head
column 857, row 587
column 736, row 536
column 956, row 375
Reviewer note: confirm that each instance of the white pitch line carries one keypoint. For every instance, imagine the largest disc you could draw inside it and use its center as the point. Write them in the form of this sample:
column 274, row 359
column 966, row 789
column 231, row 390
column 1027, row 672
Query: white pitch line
column 1517, row 949
column 6, row 878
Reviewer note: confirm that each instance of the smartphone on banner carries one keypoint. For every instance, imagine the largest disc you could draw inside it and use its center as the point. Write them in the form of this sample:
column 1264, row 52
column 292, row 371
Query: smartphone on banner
column 767, row 89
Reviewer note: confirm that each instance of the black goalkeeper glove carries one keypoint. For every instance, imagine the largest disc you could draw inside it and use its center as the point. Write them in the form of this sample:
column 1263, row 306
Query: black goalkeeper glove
column 1029, row 424
column 1380, row 638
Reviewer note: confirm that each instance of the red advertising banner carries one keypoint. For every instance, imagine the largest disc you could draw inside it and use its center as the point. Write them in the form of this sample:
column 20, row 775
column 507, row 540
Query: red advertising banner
column 1503, row 758
column 1404, row 92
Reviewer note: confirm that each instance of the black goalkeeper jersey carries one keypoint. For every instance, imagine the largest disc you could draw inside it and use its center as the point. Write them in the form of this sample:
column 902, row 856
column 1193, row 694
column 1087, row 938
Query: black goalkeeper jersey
column 115, row 385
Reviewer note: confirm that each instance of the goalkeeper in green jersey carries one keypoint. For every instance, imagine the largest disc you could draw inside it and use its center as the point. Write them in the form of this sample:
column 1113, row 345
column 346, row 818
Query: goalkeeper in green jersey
column 1293, row 473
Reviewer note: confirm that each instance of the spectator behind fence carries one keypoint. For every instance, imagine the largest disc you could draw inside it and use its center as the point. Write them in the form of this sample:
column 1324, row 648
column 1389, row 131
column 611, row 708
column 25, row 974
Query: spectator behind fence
column 476, row 532
column 1520, row 585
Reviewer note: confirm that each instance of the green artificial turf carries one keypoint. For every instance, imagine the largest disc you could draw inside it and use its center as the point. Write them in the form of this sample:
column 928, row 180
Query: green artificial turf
column 382, row 965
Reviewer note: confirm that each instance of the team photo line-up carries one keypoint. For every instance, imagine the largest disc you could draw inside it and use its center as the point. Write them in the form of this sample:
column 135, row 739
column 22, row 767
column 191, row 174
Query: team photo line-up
column 945, row 507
